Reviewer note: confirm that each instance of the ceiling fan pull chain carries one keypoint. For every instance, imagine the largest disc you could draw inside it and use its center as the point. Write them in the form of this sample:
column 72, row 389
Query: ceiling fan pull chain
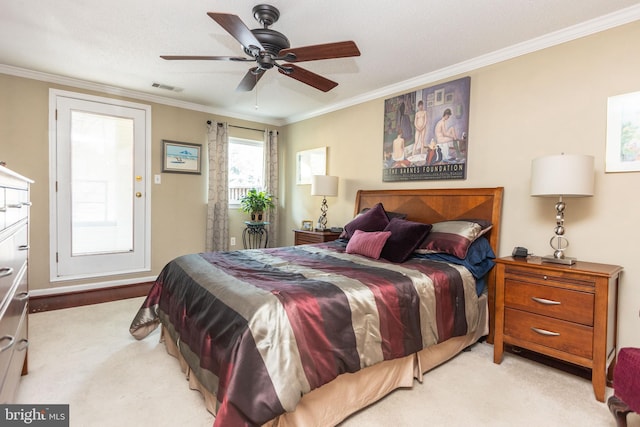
column 256, row 91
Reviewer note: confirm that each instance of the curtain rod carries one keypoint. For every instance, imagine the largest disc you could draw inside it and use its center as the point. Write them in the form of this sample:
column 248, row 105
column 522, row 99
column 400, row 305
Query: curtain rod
column 243, row 127
column 239, row 127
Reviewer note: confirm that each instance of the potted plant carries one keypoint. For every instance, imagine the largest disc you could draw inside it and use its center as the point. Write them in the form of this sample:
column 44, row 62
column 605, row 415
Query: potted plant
column 256, row 203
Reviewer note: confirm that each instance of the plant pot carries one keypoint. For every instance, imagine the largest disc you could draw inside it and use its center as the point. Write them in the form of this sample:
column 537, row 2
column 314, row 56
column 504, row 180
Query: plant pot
column 256, row 216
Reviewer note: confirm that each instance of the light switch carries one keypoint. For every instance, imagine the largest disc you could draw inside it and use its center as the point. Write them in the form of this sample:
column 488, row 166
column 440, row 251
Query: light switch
column 157, row 179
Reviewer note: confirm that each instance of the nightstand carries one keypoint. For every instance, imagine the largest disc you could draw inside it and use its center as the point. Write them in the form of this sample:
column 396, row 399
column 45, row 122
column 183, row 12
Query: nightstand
column 303, row 237
column 568, row 312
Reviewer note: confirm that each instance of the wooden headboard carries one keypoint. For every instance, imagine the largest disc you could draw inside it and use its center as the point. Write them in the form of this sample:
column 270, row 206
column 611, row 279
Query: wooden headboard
column 434, row 205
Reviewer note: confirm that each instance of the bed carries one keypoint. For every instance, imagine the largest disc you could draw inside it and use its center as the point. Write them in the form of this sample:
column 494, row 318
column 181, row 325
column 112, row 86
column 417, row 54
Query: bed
column 308, row 335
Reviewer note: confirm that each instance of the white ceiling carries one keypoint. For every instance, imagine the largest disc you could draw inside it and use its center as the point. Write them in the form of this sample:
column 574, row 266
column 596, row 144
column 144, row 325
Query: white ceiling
column 116, row 44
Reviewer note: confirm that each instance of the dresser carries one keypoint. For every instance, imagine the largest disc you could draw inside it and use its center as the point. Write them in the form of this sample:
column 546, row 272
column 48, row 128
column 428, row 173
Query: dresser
column 567, row 312
column 304, row 237
column 14, row 291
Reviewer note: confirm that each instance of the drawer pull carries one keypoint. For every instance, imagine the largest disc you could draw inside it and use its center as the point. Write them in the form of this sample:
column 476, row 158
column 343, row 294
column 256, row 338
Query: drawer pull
column 3, row 209
column 22, row 345
column 8, row 346
column 26, row 203
column 6, row 271
column 545, row 332
column 22, row 296
column 546, row 301
column 15, row 205
column 23, row 247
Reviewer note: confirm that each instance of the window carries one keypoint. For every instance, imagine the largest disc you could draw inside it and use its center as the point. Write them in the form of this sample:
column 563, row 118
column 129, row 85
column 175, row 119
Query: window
column 246, row 167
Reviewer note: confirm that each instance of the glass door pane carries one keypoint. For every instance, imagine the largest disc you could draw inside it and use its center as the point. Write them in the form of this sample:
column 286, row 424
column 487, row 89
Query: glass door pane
column 102, row 180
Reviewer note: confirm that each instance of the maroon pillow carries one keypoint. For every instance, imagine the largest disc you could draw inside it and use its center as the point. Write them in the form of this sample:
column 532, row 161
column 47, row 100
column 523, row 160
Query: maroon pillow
column 375, row 219
column 405, row 238
column 369, row 244
column 390, row 214
column 453, row 237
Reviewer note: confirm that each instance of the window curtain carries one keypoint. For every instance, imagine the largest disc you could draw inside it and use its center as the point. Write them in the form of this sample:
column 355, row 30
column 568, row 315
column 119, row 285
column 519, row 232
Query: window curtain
column 271, row 181
column 218, row 196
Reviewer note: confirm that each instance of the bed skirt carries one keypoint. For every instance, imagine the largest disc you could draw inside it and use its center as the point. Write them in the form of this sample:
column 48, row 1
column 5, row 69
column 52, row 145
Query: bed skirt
column 350, row 392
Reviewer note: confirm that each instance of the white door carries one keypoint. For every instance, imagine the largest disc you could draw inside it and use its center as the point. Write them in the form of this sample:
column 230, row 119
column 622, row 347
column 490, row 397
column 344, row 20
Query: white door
column 100, row 187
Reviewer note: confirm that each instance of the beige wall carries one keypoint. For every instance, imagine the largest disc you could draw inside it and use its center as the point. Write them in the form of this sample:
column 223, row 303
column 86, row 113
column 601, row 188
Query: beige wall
column 179, row 199
column 543, row 103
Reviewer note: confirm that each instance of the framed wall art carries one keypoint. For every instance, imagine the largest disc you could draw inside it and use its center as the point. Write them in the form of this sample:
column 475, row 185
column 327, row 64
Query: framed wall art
column 425, row 133
column 181, row 157
column 623, row 133
column 310, row 162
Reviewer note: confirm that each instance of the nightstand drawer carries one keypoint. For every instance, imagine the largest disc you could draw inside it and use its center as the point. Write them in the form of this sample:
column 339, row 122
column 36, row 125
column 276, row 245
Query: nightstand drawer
column 564, row 279
column 305, row 237
column 568, row 337
column 570, row 305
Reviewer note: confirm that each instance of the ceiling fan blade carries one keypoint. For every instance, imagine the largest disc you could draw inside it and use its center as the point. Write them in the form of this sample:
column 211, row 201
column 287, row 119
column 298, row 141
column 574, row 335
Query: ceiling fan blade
column 250, row 79
column 205, row 58
column 307, row 77
column 237, row 29
column 321, row 51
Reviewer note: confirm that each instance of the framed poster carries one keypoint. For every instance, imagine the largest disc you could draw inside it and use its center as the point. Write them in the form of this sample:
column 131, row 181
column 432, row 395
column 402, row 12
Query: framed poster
column 623, row 133
column 425, row 133
column 310, row 162
column 181, row 157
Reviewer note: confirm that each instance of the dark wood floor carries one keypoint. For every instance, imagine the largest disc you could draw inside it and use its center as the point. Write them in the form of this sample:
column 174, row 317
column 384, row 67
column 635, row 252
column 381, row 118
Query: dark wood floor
column 96, row 296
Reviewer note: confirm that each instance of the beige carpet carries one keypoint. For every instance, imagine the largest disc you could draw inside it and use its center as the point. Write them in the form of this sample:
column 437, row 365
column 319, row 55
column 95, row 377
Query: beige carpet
column 86, row 358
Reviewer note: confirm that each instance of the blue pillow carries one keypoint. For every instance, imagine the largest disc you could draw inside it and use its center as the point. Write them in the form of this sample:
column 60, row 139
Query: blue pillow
column 479, row 260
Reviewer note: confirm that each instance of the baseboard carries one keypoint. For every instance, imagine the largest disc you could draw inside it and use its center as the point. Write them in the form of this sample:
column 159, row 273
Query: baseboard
column 87, row 297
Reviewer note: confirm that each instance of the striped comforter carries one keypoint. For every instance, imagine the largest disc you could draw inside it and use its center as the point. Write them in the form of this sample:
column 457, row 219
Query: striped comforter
column 260, row 328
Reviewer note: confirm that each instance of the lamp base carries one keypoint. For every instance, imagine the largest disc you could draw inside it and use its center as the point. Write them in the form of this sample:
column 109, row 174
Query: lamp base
column 565, row 260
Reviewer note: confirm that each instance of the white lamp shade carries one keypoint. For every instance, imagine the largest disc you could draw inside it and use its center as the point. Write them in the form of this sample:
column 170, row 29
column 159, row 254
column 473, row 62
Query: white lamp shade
column 324, row 185
column 569, row 175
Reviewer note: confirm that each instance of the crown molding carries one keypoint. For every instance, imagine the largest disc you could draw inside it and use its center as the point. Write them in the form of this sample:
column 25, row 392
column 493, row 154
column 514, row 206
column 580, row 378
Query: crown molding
column 116, row 91
column 574, row 32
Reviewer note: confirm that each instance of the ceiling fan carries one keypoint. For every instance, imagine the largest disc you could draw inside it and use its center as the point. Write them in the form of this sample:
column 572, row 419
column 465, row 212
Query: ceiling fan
column 266, row 47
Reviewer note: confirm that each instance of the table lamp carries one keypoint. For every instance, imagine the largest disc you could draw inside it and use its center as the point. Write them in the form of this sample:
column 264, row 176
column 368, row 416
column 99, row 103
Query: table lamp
column 323, row 185
column 563, row 175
